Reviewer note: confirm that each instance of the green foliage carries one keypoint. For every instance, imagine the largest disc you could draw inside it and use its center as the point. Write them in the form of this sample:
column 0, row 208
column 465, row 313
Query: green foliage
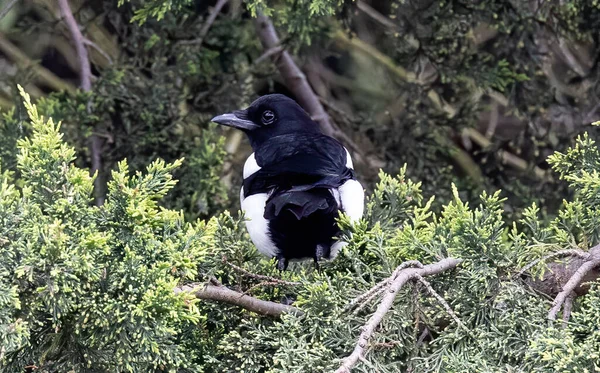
column 92, row 288
column 89, row 287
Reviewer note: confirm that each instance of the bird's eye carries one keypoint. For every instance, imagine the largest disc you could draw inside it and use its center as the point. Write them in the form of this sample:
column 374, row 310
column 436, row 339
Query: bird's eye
column 268, row 117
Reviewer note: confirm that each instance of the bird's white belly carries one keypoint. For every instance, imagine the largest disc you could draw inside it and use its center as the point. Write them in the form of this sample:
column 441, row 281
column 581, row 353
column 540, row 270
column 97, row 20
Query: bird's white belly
column 258, row 227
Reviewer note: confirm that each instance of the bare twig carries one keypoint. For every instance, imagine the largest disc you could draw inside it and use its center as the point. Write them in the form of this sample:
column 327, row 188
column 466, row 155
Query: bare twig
column 296, row 81
column 568, row 307
column 263, row 277
column 559, row 254
column 403, row 277
column 275, row 51
column 43, row 74
column 223, row 294
column 99, row 50
column 261, row 284
column 85, row 72
column 293, row 76
column 78, row 40
column 423, row 336
column 375, row 15
column 442, row 301
column 206, row 26
column 494, row 114
column 506, row 157
column 366, row 301
column 592, row 262
column 380, row 286
column 7, row 8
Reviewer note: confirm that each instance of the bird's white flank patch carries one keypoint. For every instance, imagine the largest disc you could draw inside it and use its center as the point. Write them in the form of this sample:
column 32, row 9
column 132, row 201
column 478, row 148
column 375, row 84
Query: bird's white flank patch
column 349, row 163
column 257, row 225
column 352, row 197
column 335, row 249
column 250, row 167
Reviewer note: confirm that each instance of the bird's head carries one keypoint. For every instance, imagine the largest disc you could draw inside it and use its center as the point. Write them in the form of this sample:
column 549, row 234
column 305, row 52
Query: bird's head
column 268, row 116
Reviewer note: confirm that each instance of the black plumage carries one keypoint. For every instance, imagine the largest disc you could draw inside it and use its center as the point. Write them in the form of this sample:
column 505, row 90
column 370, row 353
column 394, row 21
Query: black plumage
column 295, row 182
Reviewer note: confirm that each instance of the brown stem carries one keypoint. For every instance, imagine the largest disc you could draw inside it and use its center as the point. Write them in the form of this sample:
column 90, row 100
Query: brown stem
column 223, row 294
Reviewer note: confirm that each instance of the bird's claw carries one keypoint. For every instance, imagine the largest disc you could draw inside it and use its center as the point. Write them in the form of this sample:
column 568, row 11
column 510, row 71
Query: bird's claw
column 282, row 264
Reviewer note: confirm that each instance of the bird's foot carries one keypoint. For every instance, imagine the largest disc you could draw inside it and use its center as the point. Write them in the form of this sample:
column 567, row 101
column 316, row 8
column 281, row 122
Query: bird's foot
column 282, row 263
column 319, row 254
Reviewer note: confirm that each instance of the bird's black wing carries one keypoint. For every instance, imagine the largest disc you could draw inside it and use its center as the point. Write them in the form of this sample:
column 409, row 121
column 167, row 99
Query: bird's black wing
column 299, row 162
column 298, row 170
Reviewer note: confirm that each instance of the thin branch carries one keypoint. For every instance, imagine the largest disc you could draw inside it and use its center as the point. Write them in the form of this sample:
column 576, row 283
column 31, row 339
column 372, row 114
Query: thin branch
column 403, row 277
column 568, row 307
column 263, row 277
column 574, row 282
column 206, row 26
column 370, row 298
column 44, row 75
column 271, row 52
column 506, row 157
column 380, row 286
column 7, row 8
column 78, row 39
column 99, row 50
column 224, row 294
column 293, row 76
column 559, row 254
column 85, row 72
column 375, row 15
column 442, row 301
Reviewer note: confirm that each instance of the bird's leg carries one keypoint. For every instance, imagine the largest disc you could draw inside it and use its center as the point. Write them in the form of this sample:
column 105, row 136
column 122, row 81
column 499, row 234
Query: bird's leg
column 282, row 263
column 319, row 254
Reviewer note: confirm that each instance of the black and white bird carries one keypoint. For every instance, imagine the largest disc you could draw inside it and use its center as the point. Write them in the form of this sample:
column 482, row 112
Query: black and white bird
column 295, row 182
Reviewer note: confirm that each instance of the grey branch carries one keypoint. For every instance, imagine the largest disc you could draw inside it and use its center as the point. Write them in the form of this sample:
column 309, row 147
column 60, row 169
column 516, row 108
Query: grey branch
column 85, row 71
column 79, row 41
column 367, row 297
column 206, row 27
column 403, row 277
column 293, row 76
column 559, row 254
column 568, row 289
column 223, row 294
column 442, row 301
column 7, row 8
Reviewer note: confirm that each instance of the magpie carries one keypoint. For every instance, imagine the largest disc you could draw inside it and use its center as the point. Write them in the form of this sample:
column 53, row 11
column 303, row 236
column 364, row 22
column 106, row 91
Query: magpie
column 294, row 183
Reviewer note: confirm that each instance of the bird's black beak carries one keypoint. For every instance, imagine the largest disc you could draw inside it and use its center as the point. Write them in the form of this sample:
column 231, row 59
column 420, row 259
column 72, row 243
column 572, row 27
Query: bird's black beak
column 237, row 119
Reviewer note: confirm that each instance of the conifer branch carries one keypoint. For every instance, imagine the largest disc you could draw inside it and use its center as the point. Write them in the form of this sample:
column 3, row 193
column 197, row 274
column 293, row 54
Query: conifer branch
column 442, row 301
column 402, row 278
column 223, row 294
